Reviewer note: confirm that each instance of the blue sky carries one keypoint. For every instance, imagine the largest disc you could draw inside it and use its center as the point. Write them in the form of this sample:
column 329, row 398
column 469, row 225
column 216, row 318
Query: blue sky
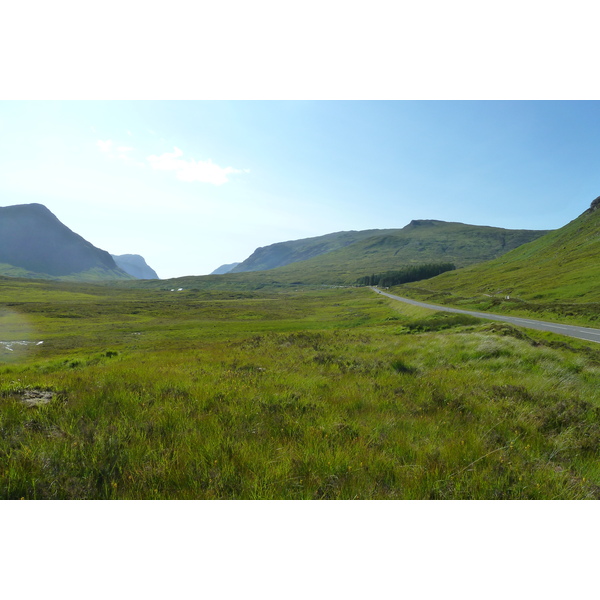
column 191, row 185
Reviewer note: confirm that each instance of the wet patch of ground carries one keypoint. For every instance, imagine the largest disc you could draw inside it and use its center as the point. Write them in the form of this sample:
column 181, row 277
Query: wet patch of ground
column 35, row 397
column 10, row 346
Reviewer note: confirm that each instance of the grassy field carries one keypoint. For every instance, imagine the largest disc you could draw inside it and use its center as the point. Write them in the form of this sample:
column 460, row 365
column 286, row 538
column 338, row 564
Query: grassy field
column 284, row 394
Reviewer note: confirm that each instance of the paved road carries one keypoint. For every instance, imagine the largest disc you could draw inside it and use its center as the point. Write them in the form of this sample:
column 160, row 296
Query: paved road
column 583, row 333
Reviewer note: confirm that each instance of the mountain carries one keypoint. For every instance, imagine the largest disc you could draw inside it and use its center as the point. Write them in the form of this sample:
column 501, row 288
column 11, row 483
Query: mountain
column 360, row 253
column 561, row 266
column 285, row 253
column 34, row 243
column 225, row 269
column 134, row 265
column 345, row 256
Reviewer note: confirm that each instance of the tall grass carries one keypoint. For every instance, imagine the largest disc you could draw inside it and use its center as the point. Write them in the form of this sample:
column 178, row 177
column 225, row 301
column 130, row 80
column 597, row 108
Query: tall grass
column 321, row 395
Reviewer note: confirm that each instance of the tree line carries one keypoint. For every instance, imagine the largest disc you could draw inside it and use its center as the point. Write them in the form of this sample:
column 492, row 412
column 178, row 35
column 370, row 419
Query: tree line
column 406, row 275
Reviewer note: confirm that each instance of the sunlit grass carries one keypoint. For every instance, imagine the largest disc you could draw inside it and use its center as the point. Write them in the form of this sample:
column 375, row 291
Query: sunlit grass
column 333, row 394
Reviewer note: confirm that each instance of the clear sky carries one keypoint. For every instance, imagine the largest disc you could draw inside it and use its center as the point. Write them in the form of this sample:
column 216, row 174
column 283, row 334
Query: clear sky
column 191, row 185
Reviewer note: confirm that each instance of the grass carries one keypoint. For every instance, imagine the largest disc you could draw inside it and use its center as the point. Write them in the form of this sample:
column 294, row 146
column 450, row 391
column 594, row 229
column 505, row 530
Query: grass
column 319, row 394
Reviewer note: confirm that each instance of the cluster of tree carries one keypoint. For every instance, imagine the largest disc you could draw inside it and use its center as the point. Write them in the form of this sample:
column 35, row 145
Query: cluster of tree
column 406, row 275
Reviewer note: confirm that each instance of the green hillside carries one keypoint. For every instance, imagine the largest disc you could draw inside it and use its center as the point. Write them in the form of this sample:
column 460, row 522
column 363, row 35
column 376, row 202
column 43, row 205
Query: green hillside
column 96, row 274
column 420, row 242
column 285, row 253
column 557, row 273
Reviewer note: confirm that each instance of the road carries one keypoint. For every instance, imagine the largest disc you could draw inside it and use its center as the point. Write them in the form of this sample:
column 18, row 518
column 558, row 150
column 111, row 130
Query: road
column 582, row 333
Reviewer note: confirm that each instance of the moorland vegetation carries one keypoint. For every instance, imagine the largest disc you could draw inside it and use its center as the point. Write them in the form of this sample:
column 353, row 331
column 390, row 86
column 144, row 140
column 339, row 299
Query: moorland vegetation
column 319, row 393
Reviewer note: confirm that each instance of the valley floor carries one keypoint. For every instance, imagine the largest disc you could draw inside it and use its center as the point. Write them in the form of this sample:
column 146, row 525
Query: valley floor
column 322, row 394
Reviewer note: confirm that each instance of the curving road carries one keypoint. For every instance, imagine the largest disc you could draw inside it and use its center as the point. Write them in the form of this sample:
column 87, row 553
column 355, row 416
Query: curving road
column 583, row 333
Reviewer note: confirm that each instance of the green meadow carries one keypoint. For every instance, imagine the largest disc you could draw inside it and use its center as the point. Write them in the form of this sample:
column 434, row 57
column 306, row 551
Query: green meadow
column 283, row 393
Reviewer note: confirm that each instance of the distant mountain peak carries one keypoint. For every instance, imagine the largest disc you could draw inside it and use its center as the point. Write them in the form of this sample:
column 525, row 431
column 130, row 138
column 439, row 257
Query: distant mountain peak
column 135, row 265
column 34, row 208
column 225, row 268
column 34, row 240
column 30, row 206
column 424, row 223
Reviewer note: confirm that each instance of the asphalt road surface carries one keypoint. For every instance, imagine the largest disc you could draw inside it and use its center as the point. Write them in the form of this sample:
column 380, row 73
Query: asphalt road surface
column 583, row 333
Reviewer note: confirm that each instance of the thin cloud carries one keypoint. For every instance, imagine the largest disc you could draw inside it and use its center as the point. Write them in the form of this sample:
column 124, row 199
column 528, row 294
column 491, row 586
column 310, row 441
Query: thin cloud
column 120, row 152
column 104, row 146
column 192, row 170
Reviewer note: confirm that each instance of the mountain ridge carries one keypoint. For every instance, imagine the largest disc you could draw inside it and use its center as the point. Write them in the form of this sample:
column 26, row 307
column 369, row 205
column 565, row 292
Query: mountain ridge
column 348, row 255
column 280, row 254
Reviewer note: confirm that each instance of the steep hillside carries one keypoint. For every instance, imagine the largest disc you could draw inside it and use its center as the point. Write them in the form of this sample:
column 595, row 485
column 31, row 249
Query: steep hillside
column 34, row 243
column 560, row 267
column 135, row 265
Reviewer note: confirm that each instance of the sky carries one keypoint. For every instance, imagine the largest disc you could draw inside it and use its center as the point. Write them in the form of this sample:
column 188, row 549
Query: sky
column 191, row 185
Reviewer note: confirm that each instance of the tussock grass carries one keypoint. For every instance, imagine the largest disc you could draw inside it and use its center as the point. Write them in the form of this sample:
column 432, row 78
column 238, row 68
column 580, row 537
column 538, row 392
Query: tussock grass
column 314, row 395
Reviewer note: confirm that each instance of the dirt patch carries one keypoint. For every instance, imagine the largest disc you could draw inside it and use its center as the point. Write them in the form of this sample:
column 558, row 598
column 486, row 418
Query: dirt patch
column 36, row 397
